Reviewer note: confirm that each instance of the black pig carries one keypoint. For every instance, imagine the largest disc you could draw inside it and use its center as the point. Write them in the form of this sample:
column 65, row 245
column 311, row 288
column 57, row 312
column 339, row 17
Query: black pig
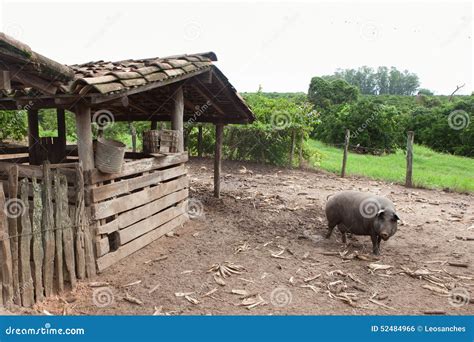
column 362, row 213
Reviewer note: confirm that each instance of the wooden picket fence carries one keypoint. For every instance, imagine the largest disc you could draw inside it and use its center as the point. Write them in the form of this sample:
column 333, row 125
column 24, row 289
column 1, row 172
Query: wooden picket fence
column 45, row 242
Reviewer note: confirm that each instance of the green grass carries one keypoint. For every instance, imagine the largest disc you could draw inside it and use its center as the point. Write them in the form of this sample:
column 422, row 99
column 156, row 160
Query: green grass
column 430, row 169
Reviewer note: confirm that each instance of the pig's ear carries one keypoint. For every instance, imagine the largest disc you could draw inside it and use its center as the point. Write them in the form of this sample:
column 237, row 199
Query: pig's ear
column 380, row 213
column 395, row 216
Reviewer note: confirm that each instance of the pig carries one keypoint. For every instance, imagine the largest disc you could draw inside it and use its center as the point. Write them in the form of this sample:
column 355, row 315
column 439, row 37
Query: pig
column 362, row 213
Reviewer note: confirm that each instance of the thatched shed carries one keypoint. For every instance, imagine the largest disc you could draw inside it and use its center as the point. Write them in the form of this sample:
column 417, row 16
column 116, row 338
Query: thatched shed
column 128, row 209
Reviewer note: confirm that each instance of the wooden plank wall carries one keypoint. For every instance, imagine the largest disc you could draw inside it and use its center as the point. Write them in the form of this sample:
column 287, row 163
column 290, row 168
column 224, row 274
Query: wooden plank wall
column 132, row 209
column 73, row 222
column 43, row 231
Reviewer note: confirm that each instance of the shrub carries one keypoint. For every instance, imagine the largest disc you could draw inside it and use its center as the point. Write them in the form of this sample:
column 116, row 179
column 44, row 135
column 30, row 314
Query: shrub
column 268, row 139
column 447, row 128
column 13, row 125
column 373, row 126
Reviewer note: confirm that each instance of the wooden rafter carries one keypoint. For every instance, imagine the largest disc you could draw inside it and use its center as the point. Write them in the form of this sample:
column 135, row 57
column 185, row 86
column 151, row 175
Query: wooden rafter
column 204, row 92
column 30, row 80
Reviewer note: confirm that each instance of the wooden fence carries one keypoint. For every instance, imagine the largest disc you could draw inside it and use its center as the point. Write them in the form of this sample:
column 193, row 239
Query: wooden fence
column 44, row 232
column 409, row 157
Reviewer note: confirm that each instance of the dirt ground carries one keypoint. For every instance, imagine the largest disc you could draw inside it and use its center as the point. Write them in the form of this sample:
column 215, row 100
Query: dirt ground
column 270, row 221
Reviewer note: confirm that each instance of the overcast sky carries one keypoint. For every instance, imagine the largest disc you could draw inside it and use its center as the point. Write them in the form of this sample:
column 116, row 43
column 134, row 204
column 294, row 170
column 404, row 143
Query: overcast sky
column 277, row 45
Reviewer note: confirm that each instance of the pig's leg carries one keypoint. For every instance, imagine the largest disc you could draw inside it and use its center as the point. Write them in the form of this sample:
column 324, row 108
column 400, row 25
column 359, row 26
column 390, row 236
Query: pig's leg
column 378, row 242
column 375, row 244
column 330, row 229
column 343, row 231
column 344, row 237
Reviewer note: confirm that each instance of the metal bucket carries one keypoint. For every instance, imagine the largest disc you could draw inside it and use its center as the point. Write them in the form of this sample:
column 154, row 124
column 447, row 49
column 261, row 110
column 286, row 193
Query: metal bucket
column 109, row 155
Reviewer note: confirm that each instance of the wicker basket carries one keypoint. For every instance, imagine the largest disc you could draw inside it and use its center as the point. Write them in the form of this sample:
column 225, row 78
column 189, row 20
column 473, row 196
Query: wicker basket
column 109, row 155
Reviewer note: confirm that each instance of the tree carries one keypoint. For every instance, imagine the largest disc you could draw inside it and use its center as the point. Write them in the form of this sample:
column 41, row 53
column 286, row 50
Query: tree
column 383, row 81
column 324, row 94
column 373, row 125
column 424, row 91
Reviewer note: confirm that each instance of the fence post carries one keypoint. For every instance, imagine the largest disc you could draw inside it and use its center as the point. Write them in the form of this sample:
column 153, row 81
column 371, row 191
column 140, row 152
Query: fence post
column 346, row 149
column 409, row 173
column 300, row 152
column 292, row 149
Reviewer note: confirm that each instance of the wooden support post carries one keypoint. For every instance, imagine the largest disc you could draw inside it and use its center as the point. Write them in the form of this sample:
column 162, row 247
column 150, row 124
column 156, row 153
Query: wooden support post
column 292, row 148
column 61, row 119
column 300, row 154
column 218, row 160
column 177, row 117
column 133, row 133
column 187, row 131
column 346, row 151
column 199, row 143
column 33, row 136
column 154, row 125
column 409, row 173
column 84, row 136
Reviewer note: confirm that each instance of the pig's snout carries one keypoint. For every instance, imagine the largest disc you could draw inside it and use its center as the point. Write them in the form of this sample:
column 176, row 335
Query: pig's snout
column 384, row 236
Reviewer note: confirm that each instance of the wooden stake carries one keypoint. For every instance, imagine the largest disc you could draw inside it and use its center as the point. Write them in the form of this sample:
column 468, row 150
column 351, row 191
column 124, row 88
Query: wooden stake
column 218, row 160
column 47, row 223
column 58, row 233
column 67, row 235
column 38, row 254
column 6, row 256
column 26, row 281
column 409, row 173
column 78, row 223
column 13, row 231
column 346, row 151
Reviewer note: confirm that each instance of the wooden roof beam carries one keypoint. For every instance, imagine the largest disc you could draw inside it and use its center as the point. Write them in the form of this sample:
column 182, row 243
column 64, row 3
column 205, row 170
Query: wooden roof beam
column 232, row 95
column 33, row 81
column 204, row 92
column 5, row 80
